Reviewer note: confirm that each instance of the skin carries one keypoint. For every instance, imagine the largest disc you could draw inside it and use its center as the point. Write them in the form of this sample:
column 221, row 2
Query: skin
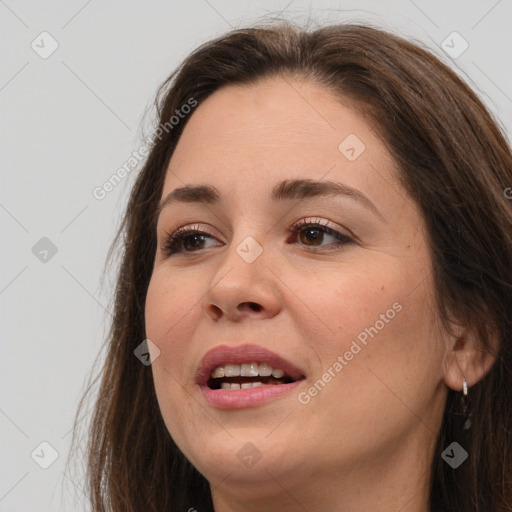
column 365, row 441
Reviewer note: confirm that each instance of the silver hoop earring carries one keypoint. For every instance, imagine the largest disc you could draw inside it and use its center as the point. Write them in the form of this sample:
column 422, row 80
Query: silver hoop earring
column 465, row 406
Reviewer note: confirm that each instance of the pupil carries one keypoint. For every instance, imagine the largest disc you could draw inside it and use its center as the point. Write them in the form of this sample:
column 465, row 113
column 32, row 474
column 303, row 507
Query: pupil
column 198, row 240
column 312, row 234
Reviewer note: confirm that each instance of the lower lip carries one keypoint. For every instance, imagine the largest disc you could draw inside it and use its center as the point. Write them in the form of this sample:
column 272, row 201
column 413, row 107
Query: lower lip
column 238, row 399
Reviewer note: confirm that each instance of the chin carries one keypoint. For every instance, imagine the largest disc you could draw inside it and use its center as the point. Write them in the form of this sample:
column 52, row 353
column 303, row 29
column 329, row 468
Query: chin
column 247, row 456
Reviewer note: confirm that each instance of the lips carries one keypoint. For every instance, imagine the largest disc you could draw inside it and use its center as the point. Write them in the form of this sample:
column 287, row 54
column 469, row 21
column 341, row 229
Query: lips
column 245, row 364
column 245, row 376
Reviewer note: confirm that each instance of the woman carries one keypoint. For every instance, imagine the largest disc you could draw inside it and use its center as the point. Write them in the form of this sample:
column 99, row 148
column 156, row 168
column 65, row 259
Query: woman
column 317, row 262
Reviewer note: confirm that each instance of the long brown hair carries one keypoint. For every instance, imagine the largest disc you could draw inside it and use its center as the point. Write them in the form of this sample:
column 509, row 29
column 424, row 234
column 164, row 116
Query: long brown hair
column 454, row 162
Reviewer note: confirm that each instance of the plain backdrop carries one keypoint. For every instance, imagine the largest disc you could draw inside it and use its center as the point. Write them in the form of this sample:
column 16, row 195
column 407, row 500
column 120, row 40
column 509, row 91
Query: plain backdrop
column 75, row 82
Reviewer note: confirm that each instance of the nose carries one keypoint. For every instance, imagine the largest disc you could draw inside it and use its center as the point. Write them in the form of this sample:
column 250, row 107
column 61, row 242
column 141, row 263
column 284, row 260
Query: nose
column 240, row 289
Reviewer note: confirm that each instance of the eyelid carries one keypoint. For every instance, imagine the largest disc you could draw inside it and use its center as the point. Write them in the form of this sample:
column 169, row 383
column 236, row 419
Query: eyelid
column 177, row 235
column 302, row 222
column 189, row 228
column 325, row 223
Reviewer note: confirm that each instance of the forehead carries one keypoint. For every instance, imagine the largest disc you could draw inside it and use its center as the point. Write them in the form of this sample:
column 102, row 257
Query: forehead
column 248, row 137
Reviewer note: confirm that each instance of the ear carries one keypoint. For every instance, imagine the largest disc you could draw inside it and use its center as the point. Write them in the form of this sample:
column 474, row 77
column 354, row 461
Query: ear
column 465, row 357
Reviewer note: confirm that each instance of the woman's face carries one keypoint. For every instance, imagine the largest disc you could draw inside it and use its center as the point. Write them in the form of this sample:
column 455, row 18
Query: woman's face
column 308, row 258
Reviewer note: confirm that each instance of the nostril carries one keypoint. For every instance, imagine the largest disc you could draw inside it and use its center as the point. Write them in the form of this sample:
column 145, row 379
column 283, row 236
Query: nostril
column 216, row 311
column 252, row 305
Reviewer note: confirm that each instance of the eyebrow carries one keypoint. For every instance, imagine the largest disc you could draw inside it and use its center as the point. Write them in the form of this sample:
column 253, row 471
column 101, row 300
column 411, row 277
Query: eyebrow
column 285, row 190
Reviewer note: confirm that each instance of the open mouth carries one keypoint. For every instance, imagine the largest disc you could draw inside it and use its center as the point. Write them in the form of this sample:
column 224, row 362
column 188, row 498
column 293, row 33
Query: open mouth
column 247, row 376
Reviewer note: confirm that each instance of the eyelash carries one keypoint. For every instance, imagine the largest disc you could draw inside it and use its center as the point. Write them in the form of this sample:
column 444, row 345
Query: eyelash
column 172, row 241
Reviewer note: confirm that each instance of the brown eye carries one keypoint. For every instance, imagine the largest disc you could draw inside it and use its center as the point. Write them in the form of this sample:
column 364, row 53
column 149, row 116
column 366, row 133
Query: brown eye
column 186, row 241
column 314, row 234
column 311, row 236
column 193, row 242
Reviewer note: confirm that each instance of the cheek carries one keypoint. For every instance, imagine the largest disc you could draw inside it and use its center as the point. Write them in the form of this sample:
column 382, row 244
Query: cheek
column 379, row 319
column 172, row 306
column 345, row 303
column 172, row 310
column 381, row 348
column 373, row 295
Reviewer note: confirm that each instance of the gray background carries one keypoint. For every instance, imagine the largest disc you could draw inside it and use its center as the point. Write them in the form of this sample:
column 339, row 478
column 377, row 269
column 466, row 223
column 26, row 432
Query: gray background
column 69, row 121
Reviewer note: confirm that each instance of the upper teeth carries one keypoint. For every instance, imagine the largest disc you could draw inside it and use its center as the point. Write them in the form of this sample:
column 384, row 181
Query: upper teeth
column 247, row 370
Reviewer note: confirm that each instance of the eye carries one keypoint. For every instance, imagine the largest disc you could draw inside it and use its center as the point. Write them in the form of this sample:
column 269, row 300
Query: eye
column 310, row 233
column 188, row 239
column 313, row 232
